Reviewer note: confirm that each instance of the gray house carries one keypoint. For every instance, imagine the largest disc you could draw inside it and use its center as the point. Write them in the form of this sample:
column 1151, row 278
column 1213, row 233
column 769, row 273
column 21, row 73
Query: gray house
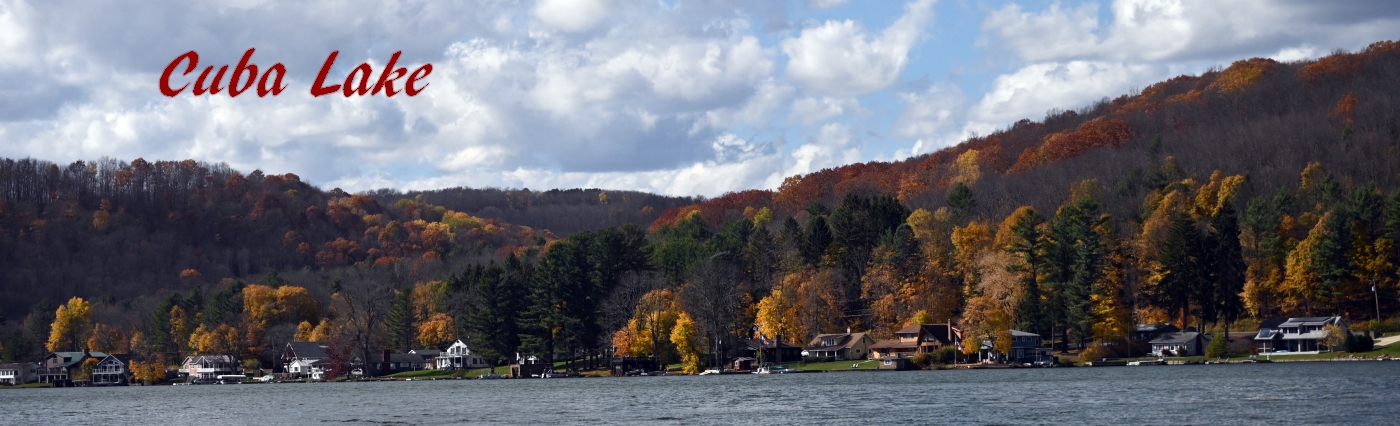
column 1187, row 343
column 1295, row 334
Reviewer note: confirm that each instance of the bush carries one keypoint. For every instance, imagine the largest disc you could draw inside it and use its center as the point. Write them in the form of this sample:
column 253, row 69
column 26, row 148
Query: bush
column 944, row 355
column 1219, row 347
column 922, row 359
column 1096, row 352
column 1359, row 343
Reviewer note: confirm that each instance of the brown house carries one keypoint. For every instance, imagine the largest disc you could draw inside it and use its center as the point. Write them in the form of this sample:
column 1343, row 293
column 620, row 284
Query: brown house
column 914, row 339
column 841, row 346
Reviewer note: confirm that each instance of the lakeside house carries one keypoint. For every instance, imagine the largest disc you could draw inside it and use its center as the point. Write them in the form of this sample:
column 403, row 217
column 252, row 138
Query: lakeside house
column 390, row 363
column 459, row 355
column 205, row 368
column 112, row 371
column 1188, row 343
column 1025, row 347
column 915, row 339
column 1295, row 334
column 302, row 351
column 312, row 368
column 429, row 357
column 1144, row 333
column 770, row 351
column 58, row 367
column 19, row 373
column 841, row 346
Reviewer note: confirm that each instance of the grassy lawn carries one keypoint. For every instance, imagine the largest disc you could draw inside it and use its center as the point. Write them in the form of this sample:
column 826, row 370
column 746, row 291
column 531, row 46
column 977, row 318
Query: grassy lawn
column 835, row 365
column 447, row 374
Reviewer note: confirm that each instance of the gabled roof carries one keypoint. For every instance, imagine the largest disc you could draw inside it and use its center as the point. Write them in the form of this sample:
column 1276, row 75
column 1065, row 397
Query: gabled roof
column 123, row 359
column 1019, row 333
column 425, row 352
column 75, row 357
column 308, row 350
column 938, row 331
column 196, row 359
column 1298, row 322
column 843, row 340
column 1177, row 338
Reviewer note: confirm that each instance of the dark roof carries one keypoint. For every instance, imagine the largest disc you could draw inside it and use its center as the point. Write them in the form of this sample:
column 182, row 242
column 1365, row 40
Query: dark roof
column 308, row 350
column 410, row 358
column 938, row 331
column 1272, row 323
column 1175, row 338
column 756, row 343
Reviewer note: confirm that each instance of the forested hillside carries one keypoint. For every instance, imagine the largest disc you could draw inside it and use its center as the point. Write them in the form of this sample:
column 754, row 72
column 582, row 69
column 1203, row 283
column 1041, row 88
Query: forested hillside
column 1258, row 190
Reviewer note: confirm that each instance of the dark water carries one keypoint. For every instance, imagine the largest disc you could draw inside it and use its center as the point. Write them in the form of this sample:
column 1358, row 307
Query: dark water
column 1363, row 393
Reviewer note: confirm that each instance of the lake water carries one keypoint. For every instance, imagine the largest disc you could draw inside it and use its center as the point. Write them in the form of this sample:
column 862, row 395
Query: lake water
column 1363, row 393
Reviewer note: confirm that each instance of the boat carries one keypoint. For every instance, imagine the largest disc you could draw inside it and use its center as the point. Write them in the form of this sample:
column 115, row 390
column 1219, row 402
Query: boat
column 712, row 371
column 490, row 376
column 775, row 369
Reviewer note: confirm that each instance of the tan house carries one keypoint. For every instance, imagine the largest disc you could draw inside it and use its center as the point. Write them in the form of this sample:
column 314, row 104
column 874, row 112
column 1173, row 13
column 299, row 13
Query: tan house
column 842, row 346
column 914, row 339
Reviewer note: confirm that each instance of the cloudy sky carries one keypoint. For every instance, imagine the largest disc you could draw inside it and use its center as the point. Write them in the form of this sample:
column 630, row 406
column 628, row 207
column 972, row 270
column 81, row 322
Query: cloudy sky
column 672, row 96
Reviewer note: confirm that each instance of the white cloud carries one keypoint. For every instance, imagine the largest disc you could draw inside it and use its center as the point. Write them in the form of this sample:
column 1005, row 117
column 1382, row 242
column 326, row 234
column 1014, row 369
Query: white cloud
column 1034, row 89
column 930, row 112
column 812, row 110
column 839, row 58
column 832, row 146
column 572, row 15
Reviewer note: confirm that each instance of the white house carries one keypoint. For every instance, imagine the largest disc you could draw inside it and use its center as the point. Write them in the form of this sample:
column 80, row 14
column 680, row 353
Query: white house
column 313, row 368
column 112, row 371
column 460, row 356
column 19, row 373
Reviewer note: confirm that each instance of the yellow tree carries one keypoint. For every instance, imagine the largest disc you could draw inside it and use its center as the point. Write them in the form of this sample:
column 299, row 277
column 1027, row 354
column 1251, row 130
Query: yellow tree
column 655, row 318
column 1299, row 284
column 179, row 328
column 777, row 316
column 296, row 304
column 304, row 330
column 438, row 330
column 685, row 338
column 71, row 322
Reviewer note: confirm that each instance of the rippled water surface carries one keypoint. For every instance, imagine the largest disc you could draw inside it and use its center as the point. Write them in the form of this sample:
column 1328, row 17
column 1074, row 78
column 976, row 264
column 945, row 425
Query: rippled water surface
column 1285, row 393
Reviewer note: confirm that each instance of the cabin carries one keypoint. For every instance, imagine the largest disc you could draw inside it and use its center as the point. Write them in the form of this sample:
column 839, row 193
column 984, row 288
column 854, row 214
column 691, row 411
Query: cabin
column 112, row 371
column 842, row 347
column 915, row 339
column 19, row 373
column 1187, row 343
column 302, row 351
column 459, row 355
column 1295, row 334
column 208, row 368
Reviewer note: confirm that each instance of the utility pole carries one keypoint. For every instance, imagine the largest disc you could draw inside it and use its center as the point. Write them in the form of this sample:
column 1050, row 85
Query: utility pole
column 1378, row 300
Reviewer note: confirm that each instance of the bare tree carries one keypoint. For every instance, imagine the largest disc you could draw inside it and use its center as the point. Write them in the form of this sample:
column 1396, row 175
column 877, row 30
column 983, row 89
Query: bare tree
column 713, row 296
